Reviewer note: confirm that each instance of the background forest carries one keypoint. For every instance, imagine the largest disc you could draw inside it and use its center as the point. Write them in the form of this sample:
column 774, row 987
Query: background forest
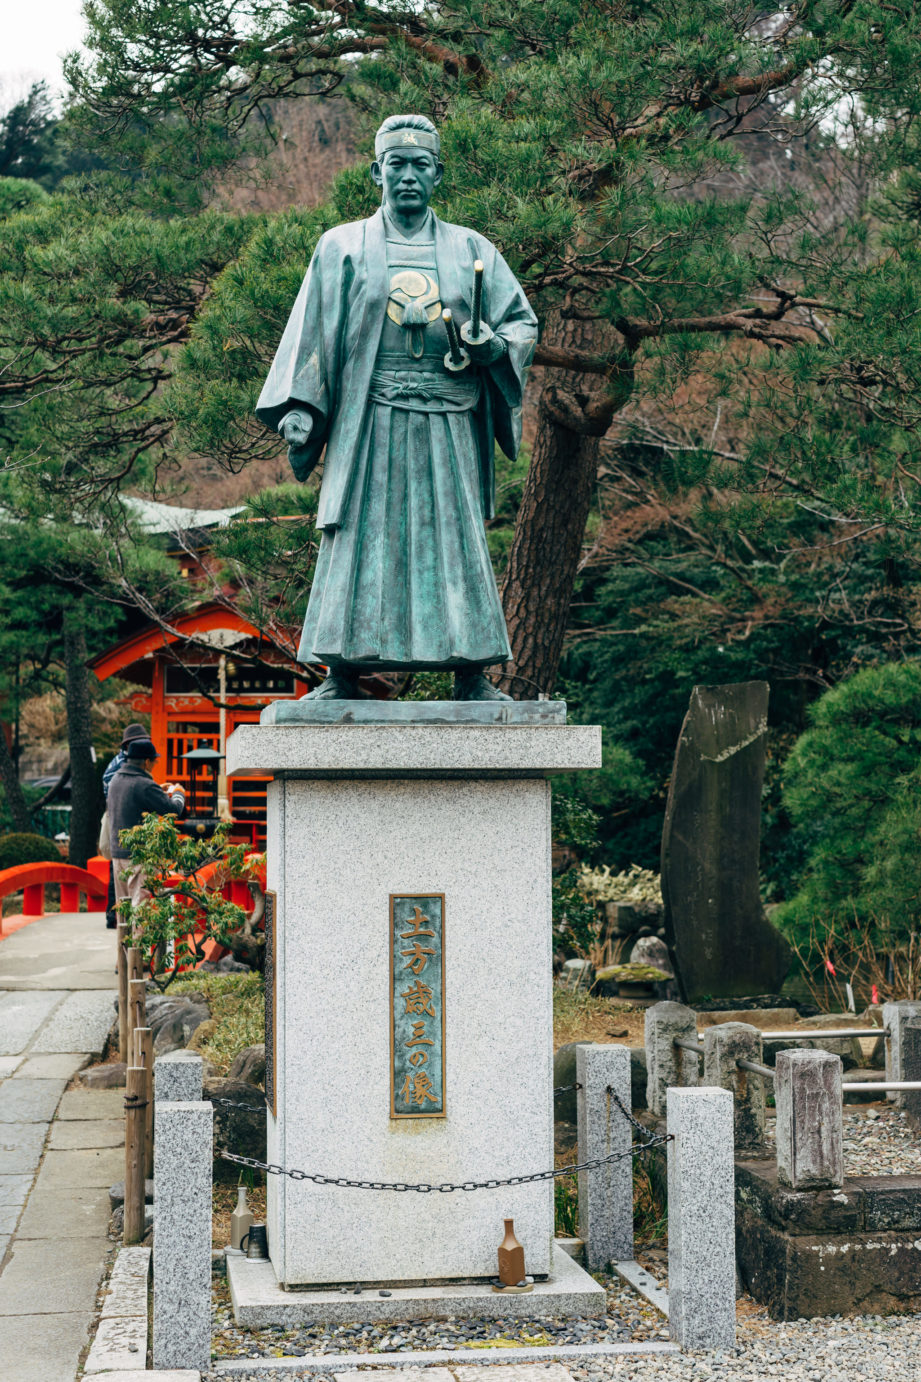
column 716, row 212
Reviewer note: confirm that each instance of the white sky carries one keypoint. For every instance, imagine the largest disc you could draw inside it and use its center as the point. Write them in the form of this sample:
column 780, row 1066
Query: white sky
column 35, row 35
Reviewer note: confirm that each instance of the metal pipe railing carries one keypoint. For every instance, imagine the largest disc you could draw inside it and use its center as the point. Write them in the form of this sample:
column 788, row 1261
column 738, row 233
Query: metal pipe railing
column 756, row 1069
column 865, row 1086
column 689, row 1045
column 821, row 1032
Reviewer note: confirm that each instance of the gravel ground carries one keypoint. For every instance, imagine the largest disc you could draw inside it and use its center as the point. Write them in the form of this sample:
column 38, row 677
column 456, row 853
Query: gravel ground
column 629, row 1317
column 869, row 1347
column 878, row 1141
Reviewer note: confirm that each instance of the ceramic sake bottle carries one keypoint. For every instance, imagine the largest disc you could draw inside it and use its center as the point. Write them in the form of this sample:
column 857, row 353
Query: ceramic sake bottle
column 241, row 1219
column 511, row 1257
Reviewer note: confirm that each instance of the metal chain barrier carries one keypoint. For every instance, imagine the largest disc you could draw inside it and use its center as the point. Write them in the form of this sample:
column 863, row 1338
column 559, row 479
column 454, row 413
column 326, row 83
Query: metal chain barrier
column 649, row 1140
column 641, row 1128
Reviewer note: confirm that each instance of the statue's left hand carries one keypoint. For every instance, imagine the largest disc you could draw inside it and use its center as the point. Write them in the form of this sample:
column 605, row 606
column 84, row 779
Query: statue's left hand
column 486, row 348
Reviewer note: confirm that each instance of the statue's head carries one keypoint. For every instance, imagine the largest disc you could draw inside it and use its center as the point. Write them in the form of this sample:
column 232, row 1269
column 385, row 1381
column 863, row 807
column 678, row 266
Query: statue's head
column 407, row 166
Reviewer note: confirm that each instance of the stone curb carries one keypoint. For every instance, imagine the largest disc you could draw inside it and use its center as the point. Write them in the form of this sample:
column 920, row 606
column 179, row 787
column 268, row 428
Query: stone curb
column 342, row 1362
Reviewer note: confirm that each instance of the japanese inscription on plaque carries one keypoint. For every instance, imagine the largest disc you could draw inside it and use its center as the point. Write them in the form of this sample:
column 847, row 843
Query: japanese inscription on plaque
column 271, row 919
column 417, row 1005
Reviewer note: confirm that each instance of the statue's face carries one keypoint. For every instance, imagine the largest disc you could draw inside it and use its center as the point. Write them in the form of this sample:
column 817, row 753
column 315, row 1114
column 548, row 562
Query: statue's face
column 408, row 178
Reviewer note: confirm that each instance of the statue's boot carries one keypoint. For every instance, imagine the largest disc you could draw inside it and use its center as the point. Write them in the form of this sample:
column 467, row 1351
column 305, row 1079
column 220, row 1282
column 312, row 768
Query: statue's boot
column 474, row 686
column 341, row 684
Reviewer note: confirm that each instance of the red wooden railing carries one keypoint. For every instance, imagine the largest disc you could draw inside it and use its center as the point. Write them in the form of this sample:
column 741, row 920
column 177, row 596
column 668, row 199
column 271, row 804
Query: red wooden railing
column 32, row 879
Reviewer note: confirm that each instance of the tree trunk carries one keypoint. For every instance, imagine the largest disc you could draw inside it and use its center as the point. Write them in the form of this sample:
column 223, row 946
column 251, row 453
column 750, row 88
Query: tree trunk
column 573, row 415
column 9, row 776
column 85, row 792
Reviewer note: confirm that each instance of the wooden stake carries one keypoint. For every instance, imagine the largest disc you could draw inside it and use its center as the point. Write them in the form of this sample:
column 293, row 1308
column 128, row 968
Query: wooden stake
column 135, row 1121
column 135, row 971
column 122, row 962
column 143, row 1057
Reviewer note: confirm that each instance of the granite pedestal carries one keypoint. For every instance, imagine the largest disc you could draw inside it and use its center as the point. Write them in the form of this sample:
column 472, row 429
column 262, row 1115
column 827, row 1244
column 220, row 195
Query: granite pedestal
column 358, row 813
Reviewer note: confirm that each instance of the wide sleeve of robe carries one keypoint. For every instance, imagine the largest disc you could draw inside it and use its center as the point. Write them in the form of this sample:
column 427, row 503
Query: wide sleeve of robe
column 305, row 371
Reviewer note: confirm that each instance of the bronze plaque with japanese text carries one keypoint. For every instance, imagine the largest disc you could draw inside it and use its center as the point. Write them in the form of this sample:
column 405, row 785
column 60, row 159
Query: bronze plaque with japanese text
column 417, row 1010
column 271, row 1006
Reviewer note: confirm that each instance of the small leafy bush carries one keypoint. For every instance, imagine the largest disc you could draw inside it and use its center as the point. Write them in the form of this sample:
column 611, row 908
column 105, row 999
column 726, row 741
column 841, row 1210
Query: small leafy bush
column 23, row 848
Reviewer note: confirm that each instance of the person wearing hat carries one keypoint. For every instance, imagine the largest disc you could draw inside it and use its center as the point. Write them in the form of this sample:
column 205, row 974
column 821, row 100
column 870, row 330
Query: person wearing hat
column 132, row 731
column 132, row 794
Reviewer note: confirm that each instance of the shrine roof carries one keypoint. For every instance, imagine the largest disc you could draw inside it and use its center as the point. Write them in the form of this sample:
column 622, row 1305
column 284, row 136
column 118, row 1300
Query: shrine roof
column 211, row 624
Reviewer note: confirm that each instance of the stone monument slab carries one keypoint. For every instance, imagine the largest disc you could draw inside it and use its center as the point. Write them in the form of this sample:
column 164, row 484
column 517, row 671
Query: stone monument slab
column 722, row 942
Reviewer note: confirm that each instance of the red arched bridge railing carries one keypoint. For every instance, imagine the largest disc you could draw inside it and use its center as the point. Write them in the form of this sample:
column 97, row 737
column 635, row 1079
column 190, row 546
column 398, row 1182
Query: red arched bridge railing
column 32, row 879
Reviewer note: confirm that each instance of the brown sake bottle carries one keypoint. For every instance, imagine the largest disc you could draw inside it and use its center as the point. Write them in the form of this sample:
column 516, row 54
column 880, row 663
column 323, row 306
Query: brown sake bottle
column 511, row 1257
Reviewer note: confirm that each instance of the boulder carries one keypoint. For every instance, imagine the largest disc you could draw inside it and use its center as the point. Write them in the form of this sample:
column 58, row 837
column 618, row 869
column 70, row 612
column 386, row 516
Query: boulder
column 117, row 1193
column 722, row 942
column 638, row 1074
column 240, row 1130
column 249, row 1065
column 173, row 1020
column 564, row 1074
column 226, row 965
column 649, row 950
column 104, row 1076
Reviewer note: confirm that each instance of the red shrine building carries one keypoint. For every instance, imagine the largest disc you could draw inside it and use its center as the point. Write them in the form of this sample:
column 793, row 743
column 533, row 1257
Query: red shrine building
column 211, row 672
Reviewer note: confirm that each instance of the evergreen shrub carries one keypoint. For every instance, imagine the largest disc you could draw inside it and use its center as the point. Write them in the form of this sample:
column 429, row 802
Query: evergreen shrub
column 851, row 788
column 23, row 848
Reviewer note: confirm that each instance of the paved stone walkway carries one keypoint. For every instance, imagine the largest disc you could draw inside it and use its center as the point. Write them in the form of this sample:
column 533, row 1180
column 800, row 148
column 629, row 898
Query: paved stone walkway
column 59, row 1152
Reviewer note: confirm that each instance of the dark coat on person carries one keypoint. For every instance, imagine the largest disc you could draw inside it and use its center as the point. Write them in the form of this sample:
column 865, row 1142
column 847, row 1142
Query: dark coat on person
column 132, row 792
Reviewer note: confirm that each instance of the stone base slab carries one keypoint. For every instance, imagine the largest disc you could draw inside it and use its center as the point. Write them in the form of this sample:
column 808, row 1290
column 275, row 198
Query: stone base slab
column 829, row 1252
column 373, row 712
column 259, row 1301
column 412, row 750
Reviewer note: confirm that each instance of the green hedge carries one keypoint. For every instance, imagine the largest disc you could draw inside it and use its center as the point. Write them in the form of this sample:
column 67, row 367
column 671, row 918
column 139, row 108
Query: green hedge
column 23, row 848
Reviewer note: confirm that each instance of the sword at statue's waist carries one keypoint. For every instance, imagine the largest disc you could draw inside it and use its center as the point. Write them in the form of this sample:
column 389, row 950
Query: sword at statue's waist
column 424, row 390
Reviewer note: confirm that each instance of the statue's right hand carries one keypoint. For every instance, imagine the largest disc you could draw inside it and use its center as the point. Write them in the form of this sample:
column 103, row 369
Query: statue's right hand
column 296, row 428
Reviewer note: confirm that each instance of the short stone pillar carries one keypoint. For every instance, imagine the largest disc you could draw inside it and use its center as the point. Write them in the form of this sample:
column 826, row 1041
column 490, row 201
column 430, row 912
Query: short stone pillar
column 895, row 1016
column 724, row 1046
column 701, row 1218
column 605, row 1194
column 807, row 1092
column 911, row 1069
column 178, row 1078
column 666, row 1063
column 182, row 1236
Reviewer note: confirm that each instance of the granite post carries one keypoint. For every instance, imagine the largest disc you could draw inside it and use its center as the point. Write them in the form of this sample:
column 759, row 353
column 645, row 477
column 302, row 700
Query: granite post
column 724, row 1046
column 807, row 1092
column 701, row 1218
column 911, row 1069
column 606, row 1193
column 666, row 1063
column 178, row 1078
column 895, row 1016
column 182, row 1236
column 373, row 805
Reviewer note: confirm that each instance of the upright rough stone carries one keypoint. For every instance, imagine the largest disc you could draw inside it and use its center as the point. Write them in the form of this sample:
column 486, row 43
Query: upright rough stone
column 605, row 1194
column 724, row 1046
column 911, row 1069
column 666, row 1063
column 178, row 1078
column 807, row 1092
column 701, row 1219
column 895, row 1016
column 716, row 929
column 182, row 1236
